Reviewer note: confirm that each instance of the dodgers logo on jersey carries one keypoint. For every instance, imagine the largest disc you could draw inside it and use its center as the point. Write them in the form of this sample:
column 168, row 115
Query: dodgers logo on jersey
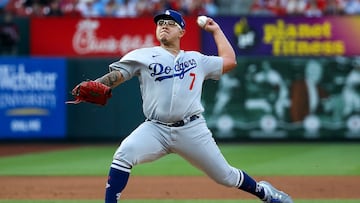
column 161, row 72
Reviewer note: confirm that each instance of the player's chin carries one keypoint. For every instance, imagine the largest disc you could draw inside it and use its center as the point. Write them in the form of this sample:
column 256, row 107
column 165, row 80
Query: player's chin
column 164, row 40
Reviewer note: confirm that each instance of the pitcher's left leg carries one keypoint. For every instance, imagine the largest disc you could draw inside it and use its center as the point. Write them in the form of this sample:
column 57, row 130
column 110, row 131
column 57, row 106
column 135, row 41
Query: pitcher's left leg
column 197, row 145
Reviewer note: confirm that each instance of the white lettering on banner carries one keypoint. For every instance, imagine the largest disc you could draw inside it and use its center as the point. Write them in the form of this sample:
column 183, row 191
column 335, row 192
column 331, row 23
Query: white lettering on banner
column 32, row 125
column 17, row 79
column 27, row 99
column 21, row 88
column 85, row 40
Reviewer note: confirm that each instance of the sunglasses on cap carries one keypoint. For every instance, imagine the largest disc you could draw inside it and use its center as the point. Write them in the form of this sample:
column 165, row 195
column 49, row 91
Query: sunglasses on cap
column 171, row 23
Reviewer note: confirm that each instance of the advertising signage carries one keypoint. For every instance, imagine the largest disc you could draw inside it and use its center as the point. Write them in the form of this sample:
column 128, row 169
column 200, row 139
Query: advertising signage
column 286, row 98
column 287, row 37
column 102, row 37
column 32, row 98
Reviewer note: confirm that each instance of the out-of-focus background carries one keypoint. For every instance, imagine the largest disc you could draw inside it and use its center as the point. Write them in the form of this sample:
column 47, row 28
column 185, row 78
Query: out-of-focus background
column 297, row 82
column 298, row 74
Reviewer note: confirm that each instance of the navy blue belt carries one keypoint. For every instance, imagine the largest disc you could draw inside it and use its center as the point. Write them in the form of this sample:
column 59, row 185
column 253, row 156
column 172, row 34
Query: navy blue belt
column 177, row 123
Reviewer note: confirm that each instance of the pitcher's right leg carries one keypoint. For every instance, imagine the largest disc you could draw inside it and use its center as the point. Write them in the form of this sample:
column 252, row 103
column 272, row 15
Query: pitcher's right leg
column 144, row 144
column 117, row 180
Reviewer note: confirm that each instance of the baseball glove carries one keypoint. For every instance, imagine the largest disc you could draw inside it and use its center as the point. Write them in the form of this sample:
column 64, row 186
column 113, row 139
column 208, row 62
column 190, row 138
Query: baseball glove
column 92, row 92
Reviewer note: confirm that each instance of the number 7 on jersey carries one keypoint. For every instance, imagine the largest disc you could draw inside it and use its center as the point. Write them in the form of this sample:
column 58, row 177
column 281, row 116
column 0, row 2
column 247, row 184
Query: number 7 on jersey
column 193, row 75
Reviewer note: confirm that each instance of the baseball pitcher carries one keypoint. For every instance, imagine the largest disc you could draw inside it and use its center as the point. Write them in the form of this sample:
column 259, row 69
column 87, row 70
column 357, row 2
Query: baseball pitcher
column 171, row 82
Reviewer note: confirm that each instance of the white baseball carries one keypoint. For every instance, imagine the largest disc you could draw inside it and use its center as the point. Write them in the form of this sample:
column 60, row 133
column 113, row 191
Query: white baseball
column 201, row 20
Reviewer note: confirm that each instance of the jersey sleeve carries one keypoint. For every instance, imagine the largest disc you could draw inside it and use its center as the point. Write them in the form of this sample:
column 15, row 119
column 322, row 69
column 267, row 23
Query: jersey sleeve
column 128, row 65
column 212, row 66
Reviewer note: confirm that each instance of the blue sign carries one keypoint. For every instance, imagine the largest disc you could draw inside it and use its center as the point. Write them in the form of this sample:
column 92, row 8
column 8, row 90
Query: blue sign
column 32, row 98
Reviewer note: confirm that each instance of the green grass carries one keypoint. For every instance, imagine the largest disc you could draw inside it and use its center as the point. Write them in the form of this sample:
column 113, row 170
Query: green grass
column 88, row 160
column 257, row 159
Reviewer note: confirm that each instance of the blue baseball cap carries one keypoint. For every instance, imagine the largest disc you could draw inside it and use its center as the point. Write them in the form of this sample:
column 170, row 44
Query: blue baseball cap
column 171, row 15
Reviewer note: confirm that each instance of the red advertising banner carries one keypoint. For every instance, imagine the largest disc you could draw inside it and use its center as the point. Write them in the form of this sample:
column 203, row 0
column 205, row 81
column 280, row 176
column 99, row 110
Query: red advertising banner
column 100, row 37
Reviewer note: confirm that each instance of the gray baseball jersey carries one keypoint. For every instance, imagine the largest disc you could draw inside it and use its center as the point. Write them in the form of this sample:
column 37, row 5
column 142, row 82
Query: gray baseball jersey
column 171, row 91
column 170, row 86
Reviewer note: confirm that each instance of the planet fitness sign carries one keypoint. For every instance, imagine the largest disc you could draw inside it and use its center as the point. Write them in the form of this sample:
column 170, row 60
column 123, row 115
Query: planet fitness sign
column 327, row 36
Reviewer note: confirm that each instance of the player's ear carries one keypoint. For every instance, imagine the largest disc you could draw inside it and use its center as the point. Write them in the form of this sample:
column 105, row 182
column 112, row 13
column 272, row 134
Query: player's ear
column 182, row 32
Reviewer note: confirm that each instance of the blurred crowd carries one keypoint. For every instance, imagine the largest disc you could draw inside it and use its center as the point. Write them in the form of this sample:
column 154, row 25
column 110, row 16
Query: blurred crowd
column 308, row 8
column 138, row 8
column 106, row 8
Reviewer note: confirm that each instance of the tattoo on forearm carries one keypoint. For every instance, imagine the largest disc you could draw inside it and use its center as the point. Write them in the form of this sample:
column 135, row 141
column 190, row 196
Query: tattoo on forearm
column 111, row 79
